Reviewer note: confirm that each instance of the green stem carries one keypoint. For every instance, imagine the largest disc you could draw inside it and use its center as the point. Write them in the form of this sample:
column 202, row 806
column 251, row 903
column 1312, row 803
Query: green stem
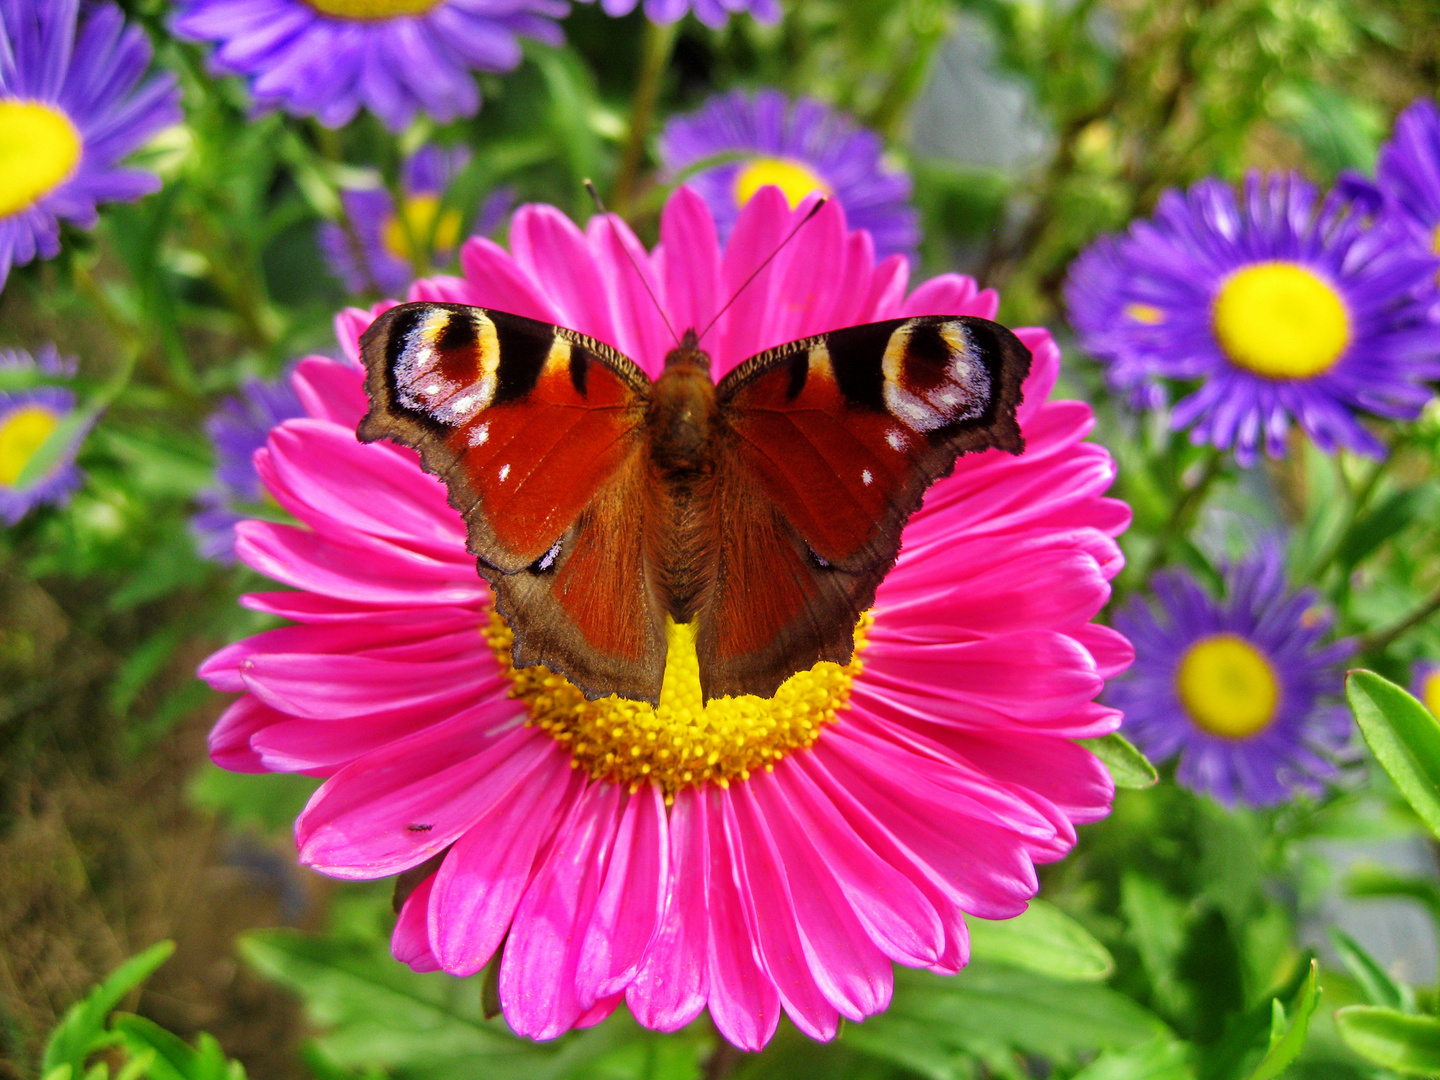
column 1382, row 639
column 910, row 76
column 1182, row 515
column 1358, row 503
column 656, row 49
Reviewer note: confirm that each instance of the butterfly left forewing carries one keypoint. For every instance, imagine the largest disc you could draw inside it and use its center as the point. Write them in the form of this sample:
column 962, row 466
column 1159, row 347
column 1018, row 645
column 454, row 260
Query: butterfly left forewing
column 535, row 431
column 828, row 446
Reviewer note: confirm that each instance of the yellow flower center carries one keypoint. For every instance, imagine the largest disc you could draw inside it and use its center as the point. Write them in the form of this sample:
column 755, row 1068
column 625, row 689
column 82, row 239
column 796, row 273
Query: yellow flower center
column 39, row 150
column 1430, row 692
column 419, row 225
column 1281, row 321
column 1228, row 686
column 684, row 741
column 23, row 432
column 792, row 178
column 1148, row 314
column 1435, row 240
column 372, row 9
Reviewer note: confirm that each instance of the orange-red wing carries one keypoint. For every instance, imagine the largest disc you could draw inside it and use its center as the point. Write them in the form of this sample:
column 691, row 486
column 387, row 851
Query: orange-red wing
column 535, row 431
column 830, row 444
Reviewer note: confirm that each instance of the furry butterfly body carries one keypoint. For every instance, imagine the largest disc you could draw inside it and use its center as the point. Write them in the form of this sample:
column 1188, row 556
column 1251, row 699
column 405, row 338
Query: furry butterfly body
column 765, row 510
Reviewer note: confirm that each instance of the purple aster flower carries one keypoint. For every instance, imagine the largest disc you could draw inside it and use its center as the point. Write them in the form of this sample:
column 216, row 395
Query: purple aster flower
column 27, row 420
column 72, row 106
column 713, row 13
column 1279, row 307
column 1408, row 174
column 799, row 147
column 238, row 428
column 1241, row 689
column 330, row 58
column 375, row 254
column 1426, row 685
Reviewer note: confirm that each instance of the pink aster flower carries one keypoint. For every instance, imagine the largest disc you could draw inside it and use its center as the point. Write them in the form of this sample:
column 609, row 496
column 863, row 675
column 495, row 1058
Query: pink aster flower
column 780, row 871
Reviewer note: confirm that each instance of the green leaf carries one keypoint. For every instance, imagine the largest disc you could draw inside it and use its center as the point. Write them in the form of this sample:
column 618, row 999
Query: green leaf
column 172, row 1058
column 82, row 1030
column 1377, row 986
column 1408, row 1044
column 1404, row 737
column 1128, row 767
column 989, row 1009
column 1387, row 519
column 47, row 458
column 1164, row 1059
column 380, row 1013
column 1044, row 940
column 1286, row 1042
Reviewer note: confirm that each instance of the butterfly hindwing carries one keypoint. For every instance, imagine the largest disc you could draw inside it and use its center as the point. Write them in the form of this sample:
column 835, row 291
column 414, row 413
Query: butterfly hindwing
column 829, row 446
column 535, row 431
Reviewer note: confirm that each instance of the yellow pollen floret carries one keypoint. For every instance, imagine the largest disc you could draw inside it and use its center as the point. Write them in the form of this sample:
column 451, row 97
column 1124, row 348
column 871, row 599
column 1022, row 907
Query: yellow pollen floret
column 22, row 433
column 1228, row 686
column 39, row 151
column 1281, row 321
column 1430, row 692
column 685, row 741
column 420, row 213
column 791, row 177
column 372, row 9
column 1148, row 314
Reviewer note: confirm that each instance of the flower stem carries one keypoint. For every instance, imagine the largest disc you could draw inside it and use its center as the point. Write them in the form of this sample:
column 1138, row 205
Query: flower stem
column 656, row 48
column 1382, row 639
column 1182, row 515
column 723, row 1059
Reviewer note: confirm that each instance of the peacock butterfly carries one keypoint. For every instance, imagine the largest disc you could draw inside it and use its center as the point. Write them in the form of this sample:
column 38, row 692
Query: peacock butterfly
column 766, row 509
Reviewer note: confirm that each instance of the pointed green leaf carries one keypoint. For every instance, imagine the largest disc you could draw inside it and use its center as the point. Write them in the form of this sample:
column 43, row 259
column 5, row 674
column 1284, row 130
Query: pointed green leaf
column 1404, row 737
column 47, row 458
column 1044, row 940
column 1408, row 1044
column 1286, row 1048
column 1129, row 768
column 1377, row 986
column 82, row 1030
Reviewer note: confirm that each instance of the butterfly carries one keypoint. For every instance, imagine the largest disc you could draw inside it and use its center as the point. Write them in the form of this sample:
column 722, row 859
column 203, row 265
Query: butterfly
column 765, row 509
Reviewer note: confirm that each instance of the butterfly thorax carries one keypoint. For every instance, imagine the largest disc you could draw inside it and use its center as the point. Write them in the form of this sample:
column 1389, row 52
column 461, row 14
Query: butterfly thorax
column 681, row 429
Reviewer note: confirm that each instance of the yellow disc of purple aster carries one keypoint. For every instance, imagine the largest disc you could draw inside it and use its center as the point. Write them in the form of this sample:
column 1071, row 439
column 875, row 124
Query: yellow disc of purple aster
column 72, row 106
column 1241, row 689
column 1280, row 307
column 28, row 419
column 799, row 147
column 1426, row 685
column 398, row 58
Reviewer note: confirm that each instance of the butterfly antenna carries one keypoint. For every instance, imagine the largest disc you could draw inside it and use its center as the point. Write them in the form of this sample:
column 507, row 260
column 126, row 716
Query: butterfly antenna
column 768, row 260
column 648, row 292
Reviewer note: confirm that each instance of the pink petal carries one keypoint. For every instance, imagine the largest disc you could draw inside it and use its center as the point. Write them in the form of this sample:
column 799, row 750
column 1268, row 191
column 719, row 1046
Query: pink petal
column 640, row 331
column 1112, row 651
column 850, row 971
column 670, row 988
column 770, row 913
column 537, row 970
column 497, row 281
column 951, row 294
column 335, row 687
column 486, row 873
column 1044, row 367
column 744, row 1002
column 409, row 942
column 230, row 737
column 386, row 576
column 552, row 249
column 627, row 912
column 357, row 826
column 350, row 324
column 692, row 261
column 897, row 915
column 331, row 392
column 747, row 326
